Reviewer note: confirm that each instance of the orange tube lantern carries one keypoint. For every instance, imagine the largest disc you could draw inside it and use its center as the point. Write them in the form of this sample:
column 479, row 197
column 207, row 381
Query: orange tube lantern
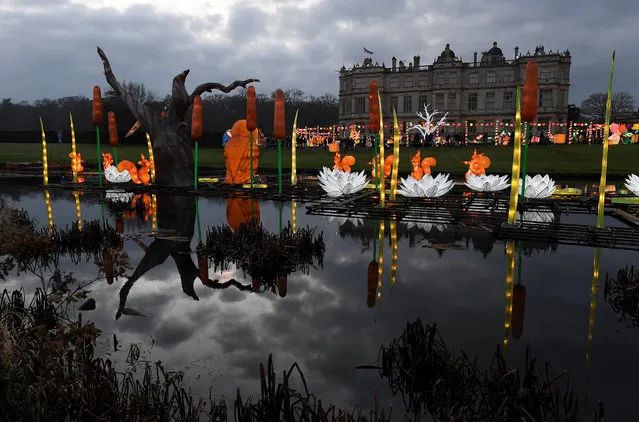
column 203, row 267
column 113, row 130
column 519, row 308
column 98, row 116
column 196, row 119
column 251, row 109
column 371, row 288
column 529, row 100
column 279, row 122
column 373, row 107
column 282, row 284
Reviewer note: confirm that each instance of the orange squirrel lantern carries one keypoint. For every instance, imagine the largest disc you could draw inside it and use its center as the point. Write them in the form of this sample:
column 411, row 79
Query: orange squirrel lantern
column 237, row 154
column 343, row 164
column 113, row 130
column 519, row 308
column 529, row 100
column 143, row 172
column 371, row 287
column 477, row 164
column 251, row 109
column 196, row 119
column 98, row 116
column 388, row 166
column 421, row 168
column 279, row 118
column 373, row 107
column 240, row 211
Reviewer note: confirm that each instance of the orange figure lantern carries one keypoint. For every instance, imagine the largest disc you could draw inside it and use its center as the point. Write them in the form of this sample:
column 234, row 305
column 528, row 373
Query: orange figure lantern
column 98, row 116
column 196, row 119
column 519, row 308
column 282, row 284
column 240, row 211
column 423, row 168
column 251, row 109
column 343, row 164
column 238, row 152
column 477, row 164
column 113, row 130
column 388, row 166
column 373, row 107
column 279, row 119
column 529, row 100
column 371, row 288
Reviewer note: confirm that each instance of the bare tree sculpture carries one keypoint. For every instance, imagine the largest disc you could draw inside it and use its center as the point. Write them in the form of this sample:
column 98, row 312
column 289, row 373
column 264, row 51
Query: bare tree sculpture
column 428, row 120
column 170, row 136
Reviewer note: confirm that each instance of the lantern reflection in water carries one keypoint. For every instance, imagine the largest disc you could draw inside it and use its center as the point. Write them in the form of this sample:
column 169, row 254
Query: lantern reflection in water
column 241, row 210
column 510, row 278
column 594, row 289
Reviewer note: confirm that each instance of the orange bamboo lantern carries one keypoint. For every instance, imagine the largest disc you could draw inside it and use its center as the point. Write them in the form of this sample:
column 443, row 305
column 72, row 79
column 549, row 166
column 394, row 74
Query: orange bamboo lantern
column 119, row 225
column 371, row 291
column 373, row 107
column 529, row 100
column 163, row 115
column 519, row 307
column 113, row 130
column 279, row 122
column 203, row 267
column 107, row 261
column 251, row 109
column 282, row 284
column 98, row 116
column 196, row 119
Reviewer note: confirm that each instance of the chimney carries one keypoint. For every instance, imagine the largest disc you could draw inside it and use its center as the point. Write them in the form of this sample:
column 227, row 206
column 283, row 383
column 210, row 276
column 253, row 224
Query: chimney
column 417, row 61
column 516, row 52
column 394, row 64
column 475, row 59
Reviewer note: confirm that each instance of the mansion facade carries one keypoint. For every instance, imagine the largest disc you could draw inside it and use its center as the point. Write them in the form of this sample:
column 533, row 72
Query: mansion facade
column 474, row 94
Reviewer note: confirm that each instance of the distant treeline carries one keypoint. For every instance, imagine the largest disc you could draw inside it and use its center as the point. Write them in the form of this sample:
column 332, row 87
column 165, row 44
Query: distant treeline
column 19, row 122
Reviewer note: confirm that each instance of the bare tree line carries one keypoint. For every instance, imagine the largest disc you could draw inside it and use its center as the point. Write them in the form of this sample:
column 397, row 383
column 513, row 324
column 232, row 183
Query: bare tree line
column 220, row 110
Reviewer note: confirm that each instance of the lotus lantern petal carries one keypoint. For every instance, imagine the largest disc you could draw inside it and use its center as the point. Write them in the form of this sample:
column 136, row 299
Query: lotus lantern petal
column 112, row 174
column 426, row 187
column 337, row 183
column 632, row 184
column 487, row 183
column 538, row 187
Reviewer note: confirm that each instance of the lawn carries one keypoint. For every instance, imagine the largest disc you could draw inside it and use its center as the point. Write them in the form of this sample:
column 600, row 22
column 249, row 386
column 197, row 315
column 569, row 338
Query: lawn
column 556, row 160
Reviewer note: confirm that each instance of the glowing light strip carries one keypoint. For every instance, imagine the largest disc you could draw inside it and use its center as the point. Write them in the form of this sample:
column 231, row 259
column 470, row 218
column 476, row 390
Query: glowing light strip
column 47, row 199
column 45, row 161
column 154, row 216
column 74, row 160
column 382, row 185
column 151, row 159
column 393, row 232
column 510, row 284
column 78, row 209
column 395, row 171
column 294, row 215
column 604, row 155
column 294, row 151
column 594, row 289
column 380, row 260
column 514, row 182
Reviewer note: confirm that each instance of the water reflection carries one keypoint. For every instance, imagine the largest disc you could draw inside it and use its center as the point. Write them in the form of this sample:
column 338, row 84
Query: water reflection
column 324, row 327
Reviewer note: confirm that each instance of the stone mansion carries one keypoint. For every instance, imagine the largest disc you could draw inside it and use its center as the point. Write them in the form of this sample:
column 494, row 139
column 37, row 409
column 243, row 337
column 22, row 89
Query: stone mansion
column 474, row 93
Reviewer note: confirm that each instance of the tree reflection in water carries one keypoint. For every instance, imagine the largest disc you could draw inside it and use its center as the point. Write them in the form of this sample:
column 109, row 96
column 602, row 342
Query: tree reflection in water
column 622, row 293
column 449, row 386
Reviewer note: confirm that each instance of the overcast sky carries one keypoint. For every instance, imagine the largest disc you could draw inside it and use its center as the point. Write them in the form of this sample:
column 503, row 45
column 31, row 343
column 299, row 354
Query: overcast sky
column 49, row 46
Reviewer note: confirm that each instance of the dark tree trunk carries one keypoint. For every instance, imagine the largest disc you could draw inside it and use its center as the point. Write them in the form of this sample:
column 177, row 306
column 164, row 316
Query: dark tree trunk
column 170, row 137
column 176, row 215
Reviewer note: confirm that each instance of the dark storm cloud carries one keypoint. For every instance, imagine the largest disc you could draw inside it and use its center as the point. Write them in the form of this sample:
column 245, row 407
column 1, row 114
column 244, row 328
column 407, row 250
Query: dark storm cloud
column 51, row 51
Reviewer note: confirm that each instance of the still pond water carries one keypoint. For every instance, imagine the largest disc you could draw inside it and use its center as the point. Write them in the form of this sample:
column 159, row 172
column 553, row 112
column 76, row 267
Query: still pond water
column 324, row 324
